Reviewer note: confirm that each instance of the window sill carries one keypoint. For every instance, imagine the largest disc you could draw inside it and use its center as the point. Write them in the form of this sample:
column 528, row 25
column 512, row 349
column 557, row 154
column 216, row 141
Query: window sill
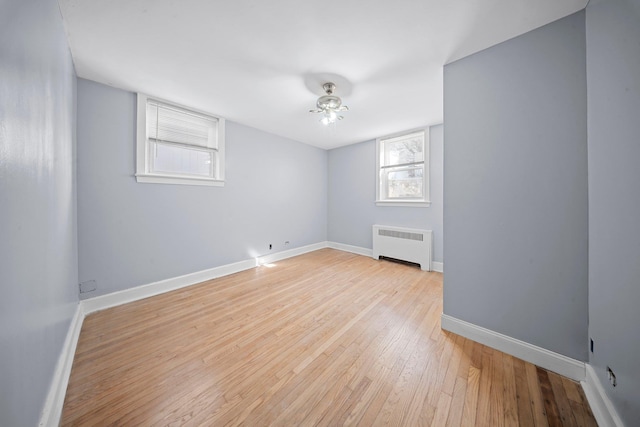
column 404, row 203
column 163, row 179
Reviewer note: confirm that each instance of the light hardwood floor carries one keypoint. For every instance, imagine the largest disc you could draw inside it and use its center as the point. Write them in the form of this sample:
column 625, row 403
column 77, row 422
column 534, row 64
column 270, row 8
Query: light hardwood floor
column 326, row 338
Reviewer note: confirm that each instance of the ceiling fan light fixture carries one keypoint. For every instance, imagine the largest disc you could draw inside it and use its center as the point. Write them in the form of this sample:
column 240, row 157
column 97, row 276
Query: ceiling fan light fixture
column 329, row 105
column 330, row 117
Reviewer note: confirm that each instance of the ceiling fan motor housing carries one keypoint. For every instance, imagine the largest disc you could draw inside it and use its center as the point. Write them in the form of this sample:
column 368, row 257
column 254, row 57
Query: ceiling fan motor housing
column 329, row 102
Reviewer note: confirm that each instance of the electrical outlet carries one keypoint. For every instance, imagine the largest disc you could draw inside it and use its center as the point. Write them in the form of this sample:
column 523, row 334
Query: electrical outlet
column 611, row 376
column 270, row 246
column 286, row 243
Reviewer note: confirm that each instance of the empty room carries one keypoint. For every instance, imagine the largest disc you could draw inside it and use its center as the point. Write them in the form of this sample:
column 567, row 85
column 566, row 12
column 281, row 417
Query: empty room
column 420, row 213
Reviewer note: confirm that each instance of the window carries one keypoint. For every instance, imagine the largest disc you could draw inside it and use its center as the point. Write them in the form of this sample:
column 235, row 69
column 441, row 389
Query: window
column 403, row 169
column 176, row 145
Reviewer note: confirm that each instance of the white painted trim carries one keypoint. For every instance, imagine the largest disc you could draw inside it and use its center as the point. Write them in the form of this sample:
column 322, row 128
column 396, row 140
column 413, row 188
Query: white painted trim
column 437, row 266
column 278, row 256
column 539, row 356
column 405, row 203
column 349, row 248
column 602, row 408
column 166, row 179
column 52, row 410
column 113, row 299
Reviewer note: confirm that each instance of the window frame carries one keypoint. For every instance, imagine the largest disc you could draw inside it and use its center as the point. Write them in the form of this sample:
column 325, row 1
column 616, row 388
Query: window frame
column 381, row 199
column 143, row 148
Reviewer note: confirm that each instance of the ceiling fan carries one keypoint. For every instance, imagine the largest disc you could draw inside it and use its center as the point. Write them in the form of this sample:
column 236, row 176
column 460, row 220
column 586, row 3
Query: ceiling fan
column 329, row 105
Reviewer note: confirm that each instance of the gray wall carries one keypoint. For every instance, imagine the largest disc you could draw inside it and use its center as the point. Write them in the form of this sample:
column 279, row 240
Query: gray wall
column 130, row 234
column 352, row 195
column 613, row 70
column 515, row 185
column 38, row 246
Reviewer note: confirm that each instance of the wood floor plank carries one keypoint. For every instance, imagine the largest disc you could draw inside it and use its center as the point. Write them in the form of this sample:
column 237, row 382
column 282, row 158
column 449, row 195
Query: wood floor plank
column 420, row 412
column 549, row 399
column 583, row 417
column 497, row 390
column 476, row 356
column 456, row 408
column 342, row 414
column 443, row 352
column 338, row 392
column 510, row 393
column 483, row 413
column 525, row 414
column 535, row 394
column 397, row 406
column 589, row 419
column 319, row 350
column 471, row 397
column 327, row 338
column 465, row 358
column 572, row 389
column 449, row 381
column 386, row 370
column 442, row 410
column 561, row 399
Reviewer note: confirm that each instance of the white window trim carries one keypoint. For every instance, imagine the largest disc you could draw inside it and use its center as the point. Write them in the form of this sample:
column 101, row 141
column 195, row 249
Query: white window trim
column 425, row 201
column 142, row 162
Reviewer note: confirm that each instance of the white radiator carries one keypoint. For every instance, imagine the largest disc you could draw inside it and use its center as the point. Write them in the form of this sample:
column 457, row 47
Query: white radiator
column 406, row 244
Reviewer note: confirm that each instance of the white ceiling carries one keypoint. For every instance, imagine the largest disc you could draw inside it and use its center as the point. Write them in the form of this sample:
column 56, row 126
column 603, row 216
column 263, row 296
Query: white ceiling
column 262, row 63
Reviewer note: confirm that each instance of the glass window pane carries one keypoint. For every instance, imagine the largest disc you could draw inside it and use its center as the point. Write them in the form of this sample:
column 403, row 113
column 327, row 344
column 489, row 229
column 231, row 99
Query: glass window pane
column 405, row 183
column 181, row 160
column 403, row 151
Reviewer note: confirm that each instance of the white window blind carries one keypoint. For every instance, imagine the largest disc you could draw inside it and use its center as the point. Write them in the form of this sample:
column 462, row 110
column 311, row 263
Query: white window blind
column 171, row 124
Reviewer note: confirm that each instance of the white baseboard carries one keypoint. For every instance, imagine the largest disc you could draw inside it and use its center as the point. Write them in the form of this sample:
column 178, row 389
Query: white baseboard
column 349, row 248
column 268, row 259
column 435, row 266
column 54, row 402
column 113, row 299
column 539, row 356
column 602, row 408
